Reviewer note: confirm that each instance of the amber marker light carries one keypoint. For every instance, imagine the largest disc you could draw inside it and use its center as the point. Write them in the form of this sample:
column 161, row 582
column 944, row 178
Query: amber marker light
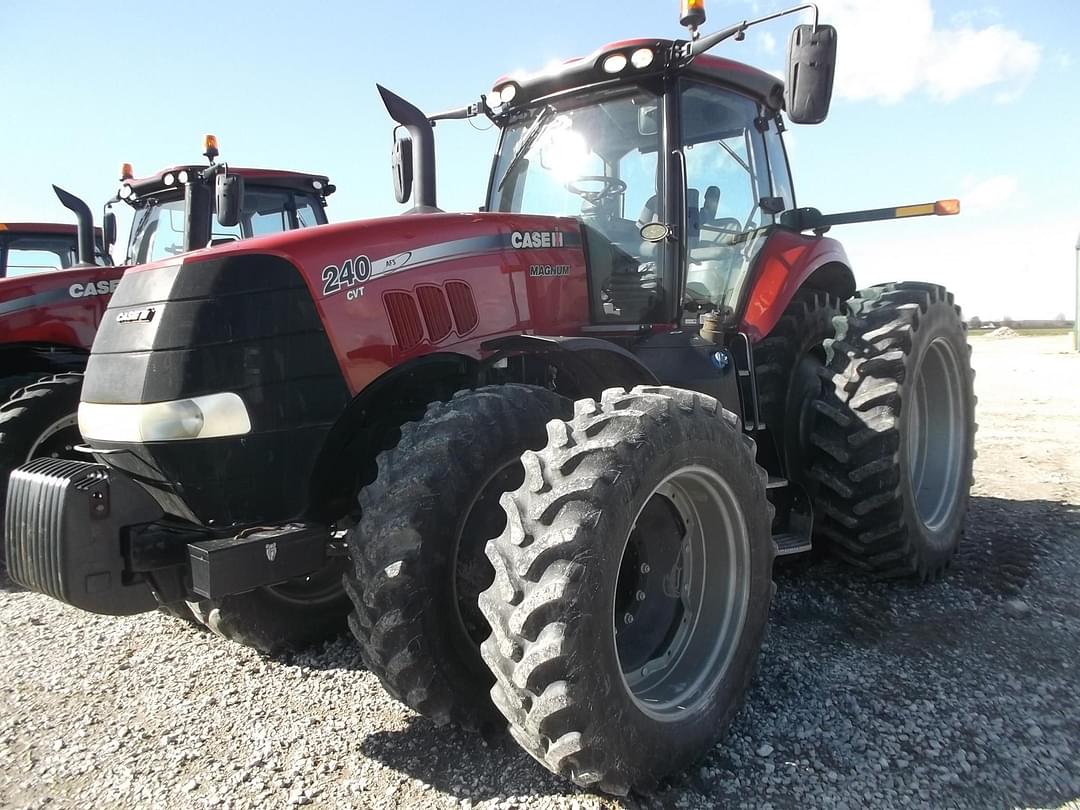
column 692, row 14
column 947, row 208
column 210, row 147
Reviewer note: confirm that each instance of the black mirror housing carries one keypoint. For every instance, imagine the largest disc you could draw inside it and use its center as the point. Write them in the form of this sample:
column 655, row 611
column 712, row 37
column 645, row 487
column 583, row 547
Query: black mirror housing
column 810, row 72
column 228, row 199
column 401, row 164
column 108, row 230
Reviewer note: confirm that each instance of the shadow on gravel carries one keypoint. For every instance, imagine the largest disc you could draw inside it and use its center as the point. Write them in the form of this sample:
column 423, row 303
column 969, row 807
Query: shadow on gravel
column 462, row 764
column 339, row 652
column 871, row 694
column 6, row 583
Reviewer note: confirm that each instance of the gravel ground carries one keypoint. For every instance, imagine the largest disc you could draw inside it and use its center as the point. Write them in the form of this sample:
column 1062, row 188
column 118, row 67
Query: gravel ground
column 962, row 694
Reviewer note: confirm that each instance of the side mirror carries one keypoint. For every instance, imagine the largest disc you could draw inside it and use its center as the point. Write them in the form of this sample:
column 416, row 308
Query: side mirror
column 401, row 165
column 108, row 230
column 648, row 117
column 811, row 66
column 228, row 199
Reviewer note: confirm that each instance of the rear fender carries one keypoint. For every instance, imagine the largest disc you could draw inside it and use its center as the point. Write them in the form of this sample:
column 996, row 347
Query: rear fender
column 788, row 262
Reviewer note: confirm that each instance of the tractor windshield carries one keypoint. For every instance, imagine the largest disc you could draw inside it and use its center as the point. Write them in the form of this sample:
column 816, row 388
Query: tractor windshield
column 157, row 231
column 593, row 158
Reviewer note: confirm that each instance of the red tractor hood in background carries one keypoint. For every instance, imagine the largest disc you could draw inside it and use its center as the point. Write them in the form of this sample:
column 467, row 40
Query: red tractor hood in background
column 57, row 307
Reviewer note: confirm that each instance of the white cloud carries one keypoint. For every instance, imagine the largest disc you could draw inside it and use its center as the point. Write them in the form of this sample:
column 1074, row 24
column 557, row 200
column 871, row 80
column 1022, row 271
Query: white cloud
column 768, row 42
column 888, row 51
column 995, row 266
column 991, row 194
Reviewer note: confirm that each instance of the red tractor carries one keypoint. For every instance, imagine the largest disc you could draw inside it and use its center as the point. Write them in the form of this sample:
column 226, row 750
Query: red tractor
column 555, row 446
column 43, row 263
column 48, row 319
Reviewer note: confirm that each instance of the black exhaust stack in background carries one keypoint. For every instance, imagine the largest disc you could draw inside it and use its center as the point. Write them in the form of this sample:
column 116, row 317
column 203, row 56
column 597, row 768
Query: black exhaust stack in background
column 85, row 219
column 423, row 138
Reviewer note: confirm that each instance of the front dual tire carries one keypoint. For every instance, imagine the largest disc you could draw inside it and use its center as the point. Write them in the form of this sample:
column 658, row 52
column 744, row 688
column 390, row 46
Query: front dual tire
column 623, row 601
column 632, row 588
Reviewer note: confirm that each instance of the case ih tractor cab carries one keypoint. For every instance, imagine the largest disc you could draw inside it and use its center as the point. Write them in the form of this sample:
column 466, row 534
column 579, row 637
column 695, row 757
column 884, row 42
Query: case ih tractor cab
column 554, row 445
column 48, row 319
column 45, row 264
column 54, row 281
column 39, row 247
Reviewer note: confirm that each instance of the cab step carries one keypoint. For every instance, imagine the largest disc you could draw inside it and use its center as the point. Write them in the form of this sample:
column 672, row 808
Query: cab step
column 788, row 543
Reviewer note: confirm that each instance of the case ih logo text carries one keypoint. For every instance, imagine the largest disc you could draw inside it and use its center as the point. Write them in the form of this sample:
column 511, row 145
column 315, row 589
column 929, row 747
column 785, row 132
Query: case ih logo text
column 136, row 315
column 93, row 288
column 547, row 270
column 536, row 239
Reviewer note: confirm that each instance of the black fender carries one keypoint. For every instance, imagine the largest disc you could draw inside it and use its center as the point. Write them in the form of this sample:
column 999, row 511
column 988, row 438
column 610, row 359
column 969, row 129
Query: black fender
column 591, row 364
column 370, row 421
column 46, row 358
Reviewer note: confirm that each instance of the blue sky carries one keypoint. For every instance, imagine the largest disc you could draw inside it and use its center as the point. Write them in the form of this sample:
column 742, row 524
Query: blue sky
column 933, row 99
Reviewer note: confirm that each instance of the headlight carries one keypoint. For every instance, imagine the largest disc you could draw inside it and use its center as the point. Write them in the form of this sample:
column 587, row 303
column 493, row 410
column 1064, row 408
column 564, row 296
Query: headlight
column 507, row 93
column 641, row 58
column 205, row 417
column 614, row 63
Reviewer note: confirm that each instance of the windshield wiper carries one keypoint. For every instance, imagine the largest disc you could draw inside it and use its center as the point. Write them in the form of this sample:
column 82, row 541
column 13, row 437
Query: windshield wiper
column 526, row 142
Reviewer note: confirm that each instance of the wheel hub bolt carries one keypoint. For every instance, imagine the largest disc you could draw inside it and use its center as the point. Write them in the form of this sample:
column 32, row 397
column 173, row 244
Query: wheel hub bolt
column 640, row 596
column 628, row 618
column 645, row 568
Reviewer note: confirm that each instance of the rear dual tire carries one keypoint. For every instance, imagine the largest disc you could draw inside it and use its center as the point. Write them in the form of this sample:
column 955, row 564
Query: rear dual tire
column 894, row 432
column 280, row 618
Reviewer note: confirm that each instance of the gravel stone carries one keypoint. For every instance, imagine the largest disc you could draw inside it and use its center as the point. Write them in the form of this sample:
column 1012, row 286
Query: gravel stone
column 870, row 694
column 1017, row 608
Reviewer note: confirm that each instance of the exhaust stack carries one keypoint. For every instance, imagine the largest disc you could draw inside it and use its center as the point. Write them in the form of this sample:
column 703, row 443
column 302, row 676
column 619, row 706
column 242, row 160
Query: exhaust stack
column 423, row 153
column 85, row 219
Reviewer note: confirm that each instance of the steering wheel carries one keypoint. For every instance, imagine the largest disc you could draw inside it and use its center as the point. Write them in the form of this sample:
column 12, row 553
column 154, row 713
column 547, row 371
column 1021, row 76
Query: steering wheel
column 612, row 186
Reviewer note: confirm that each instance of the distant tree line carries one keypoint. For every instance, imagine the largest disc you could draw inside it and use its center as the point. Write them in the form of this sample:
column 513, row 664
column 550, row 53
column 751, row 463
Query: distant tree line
column 1059, row 321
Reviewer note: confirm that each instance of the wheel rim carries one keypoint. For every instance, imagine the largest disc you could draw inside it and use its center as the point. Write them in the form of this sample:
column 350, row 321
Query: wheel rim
column 936, row 435
column 682, row 593
column 58, row 440
column 473, row 572
column 319, row 588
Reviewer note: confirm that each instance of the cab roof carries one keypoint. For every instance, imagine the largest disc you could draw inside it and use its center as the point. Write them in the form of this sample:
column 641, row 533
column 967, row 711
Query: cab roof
column 588, row 70
column 58, row 228
column 281, row 178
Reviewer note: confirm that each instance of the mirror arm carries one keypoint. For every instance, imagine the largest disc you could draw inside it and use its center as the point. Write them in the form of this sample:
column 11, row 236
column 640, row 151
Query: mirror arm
column 468, row 111
column 699, row 46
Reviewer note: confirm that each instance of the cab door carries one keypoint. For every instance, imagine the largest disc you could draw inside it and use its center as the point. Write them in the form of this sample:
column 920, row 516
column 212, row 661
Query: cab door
column 729, row 198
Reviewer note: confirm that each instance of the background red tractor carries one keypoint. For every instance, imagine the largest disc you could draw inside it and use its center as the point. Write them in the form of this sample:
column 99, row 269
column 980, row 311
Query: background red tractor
column 554, row 446
column 56, row 280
